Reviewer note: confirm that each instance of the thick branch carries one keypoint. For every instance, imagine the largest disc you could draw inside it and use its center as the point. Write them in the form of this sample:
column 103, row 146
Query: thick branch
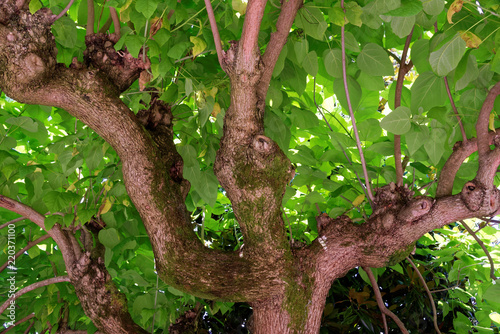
column 461, row 151
column 488, row 160
column 278, row 39
column 249, row 47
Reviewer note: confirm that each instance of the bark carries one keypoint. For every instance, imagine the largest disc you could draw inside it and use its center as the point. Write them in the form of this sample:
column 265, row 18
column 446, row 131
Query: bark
column 286, row 287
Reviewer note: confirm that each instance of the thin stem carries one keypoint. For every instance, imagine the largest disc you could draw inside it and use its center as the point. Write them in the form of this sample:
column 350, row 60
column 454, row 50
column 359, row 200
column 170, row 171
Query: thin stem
column 450, row 97
column 481, row 244
column 32, row 287
column 215, row 32
column 28, row 246
column 116, row 21
column 63, row 11
column 351, row 113
column 380, row 301
column 90, row 17
column 431, row 300
column 12, row 222
column 26, row 318
column 403, row 69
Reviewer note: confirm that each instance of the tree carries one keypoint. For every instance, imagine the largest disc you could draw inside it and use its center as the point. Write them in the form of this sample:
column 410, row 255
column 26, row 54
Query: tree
column 133, row 128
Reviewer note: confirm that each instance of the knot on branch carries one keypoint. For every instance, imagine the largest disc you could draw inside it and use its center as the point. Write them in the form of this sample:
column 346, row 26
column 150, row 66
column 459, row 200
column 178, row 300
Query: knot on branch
column 229, row 58
column 29, row 49
column 473, row 195
column 391, row 197
column 121, row 68
column 415, row 209
column 86, row 269
column 158, row 117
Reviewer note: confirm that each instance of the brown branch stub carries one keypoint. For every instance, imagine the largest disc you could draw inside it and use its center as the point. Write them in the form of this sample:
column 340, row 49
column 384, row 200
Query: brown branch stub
column 120, row 67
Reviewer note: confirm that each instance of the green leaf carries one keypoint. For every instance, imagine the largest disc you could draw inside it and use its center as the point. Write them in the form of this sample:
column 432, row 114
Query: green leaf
column 445, row 59
column 398, row 121
column 492, row 293
column 402, row 26
column 23, row 122
column 134, row 43
column 109, row 237
column 420, row 55
column 147, row 7
column 470, row 74
column 34, row 6
column 414, row 140
column 59, row 201
column 353, row 13
column 206, row 186
column 314, row 197
column 435, row 145
column 354, row 92
column 65, row 32
column 350, row 42
column 93, row 156
column 433, row 7
column 310, row 63
column 374, row 60
column 301, row 49
column 370, row 82
column 303, row 119
column 369, row 130
column 311, row 19
column 178, row 50
column 408, row 8
column 428, row 91
column 333, row 62
column 51, row 221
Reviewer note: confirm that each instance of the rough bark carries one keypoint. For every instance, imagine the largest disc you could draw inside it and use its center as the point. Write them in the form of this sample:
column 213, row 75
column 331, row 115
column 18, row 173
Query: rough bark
column 287, row 288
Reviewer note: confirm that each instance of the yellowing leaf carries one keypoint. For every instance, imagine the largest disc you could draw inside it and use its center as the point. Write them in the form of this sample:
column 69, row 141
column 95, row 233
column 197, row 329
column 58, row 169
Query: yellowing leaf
column 491, row 123
column 212, row 92
column 471, row 40
column 125, row 11
column 126, row 203
column 199, row 45
column 495, row 317
column 72, row 186
column 358, row 200
column 240, row 6
column 216, row 110
column 108, row 185
column 105, row 206
column 38, row 170
column 455, row 7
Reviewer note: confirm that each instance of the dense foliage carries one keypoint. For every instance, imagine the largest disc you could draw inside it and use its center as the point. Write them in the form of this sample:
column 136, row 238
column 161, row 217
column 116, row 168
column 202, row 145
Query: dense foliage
column 54, row 163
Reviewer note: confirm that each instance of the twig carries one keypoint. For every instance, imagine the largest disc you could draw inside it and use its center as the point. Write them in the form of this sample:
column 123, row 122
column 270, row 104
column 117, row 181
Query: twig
column 90, row 17
column 116, row 21
column 32, row 287
column 28, row 246
column 63, row 11
column 26, row 318
column 431, row 300
column 380, row 301
column 454, row 107
column 215, row 32
column 403, row 69
column 351, row 113
column 12, row 222
column 481, row 244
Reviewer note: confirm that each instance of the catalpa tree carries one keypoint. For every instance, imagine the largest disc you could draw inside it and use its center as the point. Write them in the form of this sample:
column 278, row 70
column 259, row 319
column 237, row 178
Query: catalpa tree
column 166, row 160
